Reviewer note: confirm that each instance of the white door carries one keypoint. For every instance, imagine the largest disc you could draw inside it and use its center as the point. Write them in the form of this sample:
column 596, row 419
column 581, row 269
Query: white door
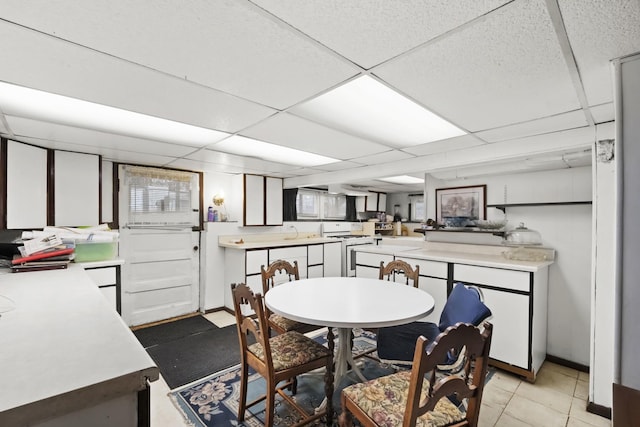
column 160, row 276
column 161, row 270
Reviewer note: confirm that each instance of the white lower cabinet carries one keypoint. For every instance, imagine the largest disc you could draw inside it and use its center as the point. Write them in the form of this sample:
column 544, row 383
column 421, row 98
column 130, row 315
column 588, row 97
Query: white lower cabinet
column 518, row 302
column 244, row 266
column 108, row 280
column 368, row 263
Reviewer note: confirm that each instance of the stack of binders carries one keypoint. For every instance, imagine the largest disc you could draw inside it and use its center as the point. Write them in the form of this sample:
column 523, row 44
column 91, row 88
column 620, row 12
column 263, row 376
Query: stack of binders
column 49, row 255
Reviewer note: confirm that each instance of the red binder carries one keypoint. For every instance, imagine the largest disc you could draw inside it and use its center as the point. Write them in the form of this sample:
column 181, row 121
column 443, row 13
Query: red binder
column 42, row 255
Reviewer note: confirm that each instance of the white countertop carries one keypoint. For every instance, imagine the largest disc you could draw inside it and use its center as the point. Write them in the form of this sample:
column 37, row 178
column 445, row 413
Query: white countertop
column 106, row 263
column 484, row 256
column 244, row 242
column 63, row 347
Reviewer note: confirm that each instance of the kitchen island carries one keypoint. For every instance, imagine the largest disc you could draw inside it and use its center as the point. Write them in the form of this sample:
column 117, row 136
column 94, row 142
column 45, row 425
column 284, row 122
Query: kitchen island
column 514, row 290
column 67, row 358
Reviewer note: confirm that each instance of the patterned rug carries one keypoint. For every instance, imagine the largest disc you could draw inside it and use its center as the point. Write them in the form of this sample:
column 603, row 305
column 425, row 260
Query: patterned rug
column 213, row 401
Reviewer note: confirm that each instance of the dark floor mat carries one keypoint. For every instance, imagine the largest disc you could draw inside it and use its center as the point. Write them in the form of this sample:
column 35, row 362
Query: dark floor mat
column 194, row 356
column 172, row 331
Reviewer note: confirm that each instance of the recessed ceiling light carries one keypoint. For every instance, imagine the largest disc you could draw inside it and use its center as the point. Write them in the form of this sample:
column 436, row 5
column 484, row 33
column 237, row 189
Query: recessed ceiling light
column 403, row 179
column 368, row 108
column 245, row 146
column 35, row 104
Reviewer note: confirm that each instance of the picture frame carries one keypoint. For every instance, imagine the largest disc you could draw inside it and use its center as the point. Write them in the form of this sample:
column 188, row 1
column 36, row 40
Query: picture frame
column 462, row 202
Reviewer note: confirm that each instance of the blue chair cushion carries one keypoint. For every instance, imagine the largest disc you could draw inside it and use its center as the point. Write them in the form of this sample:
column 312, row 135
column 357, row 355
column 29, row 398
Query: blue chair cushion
column 398, row 343
column 463, row 305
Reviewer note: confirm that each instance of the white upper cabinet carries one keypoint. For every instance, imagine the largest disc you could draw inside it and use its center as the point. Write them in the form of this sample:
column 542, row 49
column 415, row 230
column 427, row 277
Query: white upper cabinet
column 262, row 200
column 26, row 186
column 273, row 202
column 77, row 189
column 253, row 200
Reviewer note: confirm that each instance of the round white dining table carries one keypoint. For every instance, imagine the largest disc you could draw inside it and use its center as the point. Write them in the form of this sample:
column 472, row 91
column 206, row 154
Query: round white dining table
column 346, row 303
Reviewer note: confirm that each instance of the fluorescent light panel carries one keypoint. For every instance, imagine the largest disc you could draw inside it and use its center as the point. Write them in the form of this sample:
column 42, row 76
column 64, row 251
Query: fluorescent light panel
column 403, row 179
column 49, row 107
column 245, row 146
column 367, row 107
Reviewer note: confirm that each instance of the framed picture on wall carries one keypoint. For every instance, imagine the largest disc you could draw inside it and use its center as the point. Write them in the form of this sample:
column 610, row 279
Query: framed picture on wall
column 461, row 202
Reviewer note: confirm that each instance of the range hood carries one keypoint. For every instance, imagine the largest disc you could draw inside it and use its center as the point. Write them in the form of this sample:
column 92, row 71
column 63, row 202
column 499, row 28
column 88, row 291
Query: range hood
column 348, row 190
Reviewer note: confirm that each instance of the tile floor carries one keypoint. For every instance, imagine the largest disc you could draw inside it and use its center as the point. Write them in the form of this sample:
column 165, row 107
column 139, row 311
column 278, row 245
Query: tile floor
column 558, row 398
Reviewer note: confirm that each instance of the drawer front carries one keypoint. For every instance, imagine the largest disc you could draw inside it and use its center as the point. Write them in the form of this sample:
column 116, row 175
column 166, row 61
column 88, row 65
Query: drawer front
column 316, row 254
column 103, row 276
column 507, row 279
column 428, row 268
column 290, row 254
column 372, row 260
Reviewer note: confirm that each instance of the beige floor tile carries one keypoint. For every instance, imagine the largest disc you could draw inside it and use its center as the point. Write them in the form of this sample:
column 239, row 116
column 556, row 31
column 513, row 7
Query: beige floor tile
column 582, row 390
column 573, row 422
column 548, row 397
column 579, row 412
column 163, row 412
column 550, row 379
column 489, row 415
column 534, row 413
column 505, row 381
column 495, row 396
column 506, row 420
column 583, row 376
column 220, row 318
column 550, row 366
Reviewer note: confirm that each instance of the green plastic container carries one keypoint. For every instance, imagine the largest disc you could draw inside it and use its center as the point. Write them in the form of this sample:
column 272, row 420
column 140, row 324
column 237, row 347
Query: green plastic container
column 95, row 251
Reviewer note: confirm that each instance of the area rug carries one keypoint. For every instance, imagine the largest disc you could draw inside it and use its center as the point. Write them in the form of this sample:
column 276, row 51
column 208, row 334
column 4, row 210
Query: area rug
column 213, row 401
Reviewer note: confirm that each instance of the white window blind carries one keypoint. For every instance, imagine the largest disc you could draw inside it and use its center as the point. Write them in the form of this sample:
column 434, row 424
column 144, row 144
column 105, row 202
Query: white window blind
column 307, row 204
column 335, row 206
column 161, row 197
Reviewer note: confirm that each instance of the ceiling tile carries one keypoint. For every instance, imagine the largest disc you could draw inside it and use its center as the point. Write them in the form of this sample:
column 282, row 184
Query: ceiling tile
column 570, row 120
column 88, row 75
column 389, row 156
column 295, row 132
column 372, row 31
column 337, row 166
column 93, row 140
column 450, row 144
column 219, row 47
column 226, row 159
column 599, row 31
column 504, row 69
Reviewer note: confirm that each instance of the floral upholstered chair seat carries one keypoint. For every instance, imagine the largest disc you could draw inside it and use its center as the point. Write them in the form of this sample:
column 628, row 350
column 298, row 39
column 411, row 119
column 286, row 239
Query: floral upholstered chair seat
column 291, row 349
column 284, row 323
column 384, row 400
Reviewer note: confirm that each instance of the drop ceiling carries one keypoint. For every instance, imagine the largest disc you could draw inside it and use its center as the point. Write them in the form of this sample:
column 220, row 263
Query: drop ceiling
column 528, row 81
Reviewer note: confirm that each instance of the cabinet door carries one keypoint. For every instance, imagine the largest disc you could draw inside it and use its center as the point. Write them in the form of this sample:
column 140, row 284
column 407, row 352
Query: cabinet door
column 382, row 202
column 510, row 319
column 361, row 203
column 26, row 186
column 316, row 254
column 274, row 201
column 256, row 259
column 315, row 271
column 333, row 259
column 368, row 272
column 77, row 189
column 253, row 200
column 371, row 202
column 291, row 254
column 437, row 288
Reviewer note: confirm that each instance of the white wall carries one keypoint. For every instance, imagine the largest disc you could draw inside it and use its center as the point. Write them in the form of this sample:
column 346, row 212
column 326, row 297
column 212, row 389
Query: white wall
column 565, row 228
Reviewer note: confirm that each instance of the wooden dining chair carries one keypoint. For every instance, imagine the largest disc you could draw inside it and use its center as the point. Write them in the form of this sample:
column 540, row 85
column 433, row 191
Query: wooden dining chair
column 278, row 269
column 397, row 266
column 277, row 359
column 420, row 398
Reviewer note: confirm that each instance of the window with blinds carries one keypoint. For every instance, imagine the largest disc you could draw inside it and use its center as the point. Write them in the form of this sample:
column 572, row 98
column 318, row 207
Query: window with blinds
column 161, row 197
